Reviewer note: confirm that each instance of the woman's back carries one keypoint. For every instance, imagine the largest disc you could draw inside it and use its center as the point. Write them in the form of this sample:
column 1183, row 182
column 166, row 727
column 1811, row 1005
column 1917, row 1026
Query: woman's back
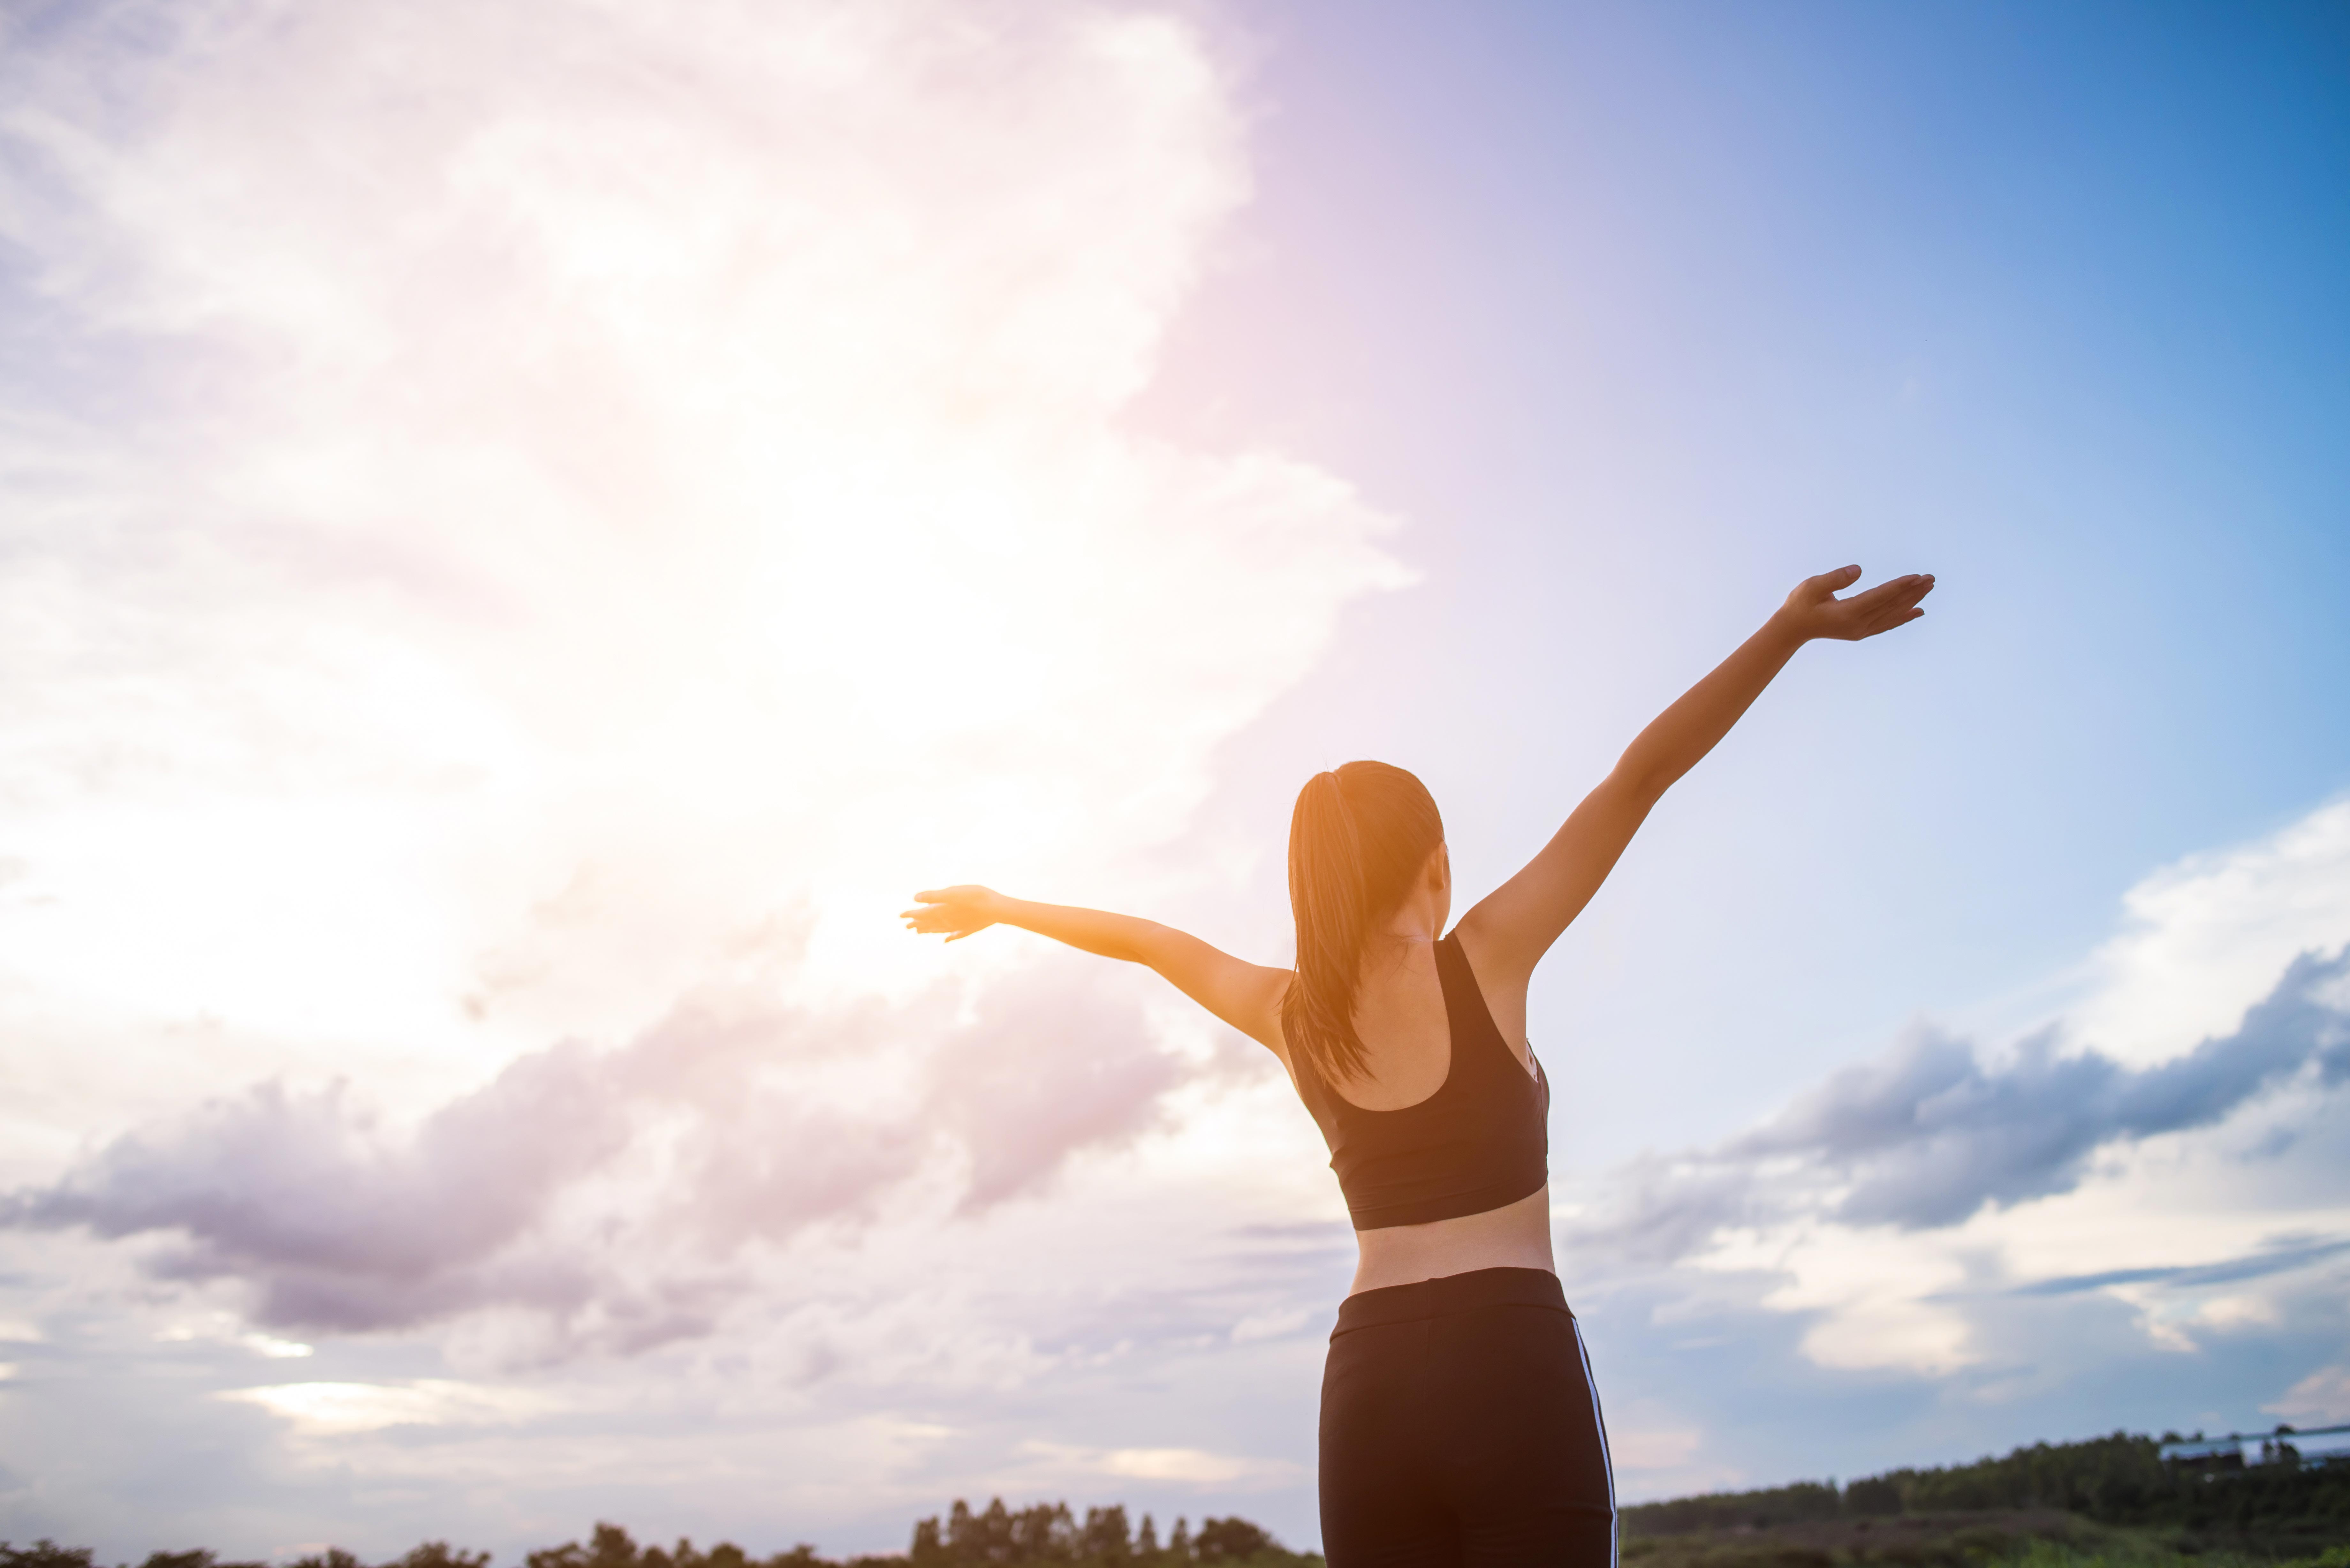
column 1400, row 1015
column 1406, row 1039
column 1440, row 1143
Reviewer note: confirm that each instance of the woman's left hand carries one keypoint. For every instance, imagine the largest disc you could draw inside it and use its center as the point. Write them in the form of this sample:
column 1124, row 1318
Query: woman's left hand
column 1813, row 611
column 956, row 911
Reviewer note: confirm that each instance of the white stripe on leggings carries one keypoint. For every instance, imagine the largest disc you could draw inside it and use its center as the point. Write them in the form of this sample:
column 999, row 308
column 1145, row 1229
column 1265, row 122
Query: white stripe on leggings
column 1601, row 1422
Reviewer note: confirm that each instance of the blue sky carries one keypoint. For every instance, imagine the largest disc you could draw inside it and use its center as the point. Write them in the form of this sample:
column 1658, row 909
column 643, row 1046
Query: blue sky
column 527, row 533
column 1634, row 314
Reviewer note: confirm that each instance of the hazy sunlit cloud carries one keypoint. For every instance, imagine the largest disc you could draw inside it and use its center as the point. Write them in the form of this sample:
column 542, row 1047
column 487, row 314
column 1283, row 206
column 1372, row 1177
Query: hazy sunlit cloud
column 604, row 483
column 530, row 535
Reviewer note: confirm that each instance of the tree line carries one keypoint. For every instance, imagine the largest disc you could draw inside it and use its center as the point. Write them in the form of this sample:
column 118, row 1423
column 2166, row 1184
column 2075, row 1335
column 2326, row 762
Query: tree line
column 1037, row 1536
column 2119, row 1480
column 1049, row 1532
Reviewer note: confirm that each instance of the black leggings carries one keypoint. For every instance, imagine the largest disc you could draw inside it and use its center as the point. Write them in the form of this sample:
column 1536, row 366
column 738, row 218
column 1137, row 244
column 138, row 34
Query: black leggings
column 1460, row 1428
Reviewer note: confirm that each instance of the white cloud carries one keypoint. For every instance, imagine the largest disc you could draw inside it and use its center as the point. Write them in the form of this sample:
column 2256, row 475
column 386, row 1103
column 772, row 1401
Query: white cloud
column 1269, row 1324
column 1870, row 1293
column 2321, row 1398
column 274, row 1348
column 1652, row 1448
column 1191, row 1467
column 2203, row 937
column 333, row 1409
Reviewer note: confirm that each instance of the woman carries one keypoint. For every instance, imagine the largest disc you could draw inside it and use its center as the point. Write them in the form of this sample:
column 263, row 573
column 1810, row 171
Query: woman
column 1459, row 1421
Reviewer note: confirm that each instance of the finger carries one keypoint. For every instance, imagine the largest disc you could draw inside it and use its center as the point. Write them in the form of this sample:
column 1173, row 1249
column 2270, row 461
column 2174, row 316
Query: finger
column 1821, row 587
column 1915, row 584
column 1903, row 618
column 931, row 896
column 1881, row 594
column 1907, row 600
column 1889, row 599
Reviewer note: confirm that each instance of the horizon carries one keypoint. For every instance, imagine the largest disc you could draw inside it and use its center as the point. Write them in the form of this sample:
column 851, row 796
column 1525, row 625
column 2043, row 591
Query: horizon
column 530, row 533
column 1142, row 1530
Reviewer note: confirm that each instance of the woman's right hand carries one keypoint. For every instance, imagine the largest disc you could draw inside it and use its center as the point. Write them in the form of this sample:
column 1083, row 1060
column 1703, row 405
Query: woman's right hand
column 956, row 911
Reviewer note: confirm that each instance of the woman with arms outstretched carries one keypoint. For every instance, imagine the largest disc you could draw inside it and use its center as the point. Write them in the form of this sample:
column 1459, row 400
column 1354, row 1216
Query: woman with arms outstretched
column 1459, row 1425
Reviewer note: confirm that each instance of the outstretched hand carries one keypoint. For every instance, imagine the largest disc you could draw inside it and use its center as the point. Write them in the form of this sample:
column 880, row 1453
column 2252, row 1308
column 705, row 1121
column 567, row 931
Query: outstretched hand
column 957, row 911
column 1813, row 611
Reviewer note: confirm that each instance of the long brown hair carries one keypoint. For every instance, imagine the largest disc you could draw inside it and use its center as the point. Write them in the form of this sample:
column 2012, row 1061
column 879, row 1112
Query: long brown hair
column 1359, row 837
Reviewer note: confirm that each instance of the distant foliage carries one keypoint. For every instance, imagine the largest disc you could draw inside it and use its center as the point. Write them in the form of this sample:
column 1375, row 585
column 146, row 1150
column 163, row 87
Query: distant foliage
column 1734, row 1509
column 609, row 1546
column 1046, row 1533
column 43, row 1554
column 2119, row 1480
column 1042, row 1534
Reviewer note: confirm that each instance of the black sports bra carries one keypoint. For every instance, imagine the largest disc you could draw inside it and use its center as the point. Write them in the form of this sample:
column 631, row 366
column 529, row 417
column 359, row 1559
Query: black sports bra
column 1480, row 1142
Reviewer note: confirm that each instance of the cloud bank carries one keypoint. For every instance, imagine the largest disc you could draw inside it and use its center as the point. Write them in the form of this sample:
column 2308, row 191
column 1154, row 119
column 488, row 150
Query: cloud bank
column 1974, row 1231
column 608, row 1193
column 1933, row 1132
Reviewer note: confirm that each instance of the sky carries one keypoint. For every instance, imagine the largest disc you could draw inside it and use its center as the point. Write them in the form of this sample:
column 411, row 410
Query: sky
column 525, row 533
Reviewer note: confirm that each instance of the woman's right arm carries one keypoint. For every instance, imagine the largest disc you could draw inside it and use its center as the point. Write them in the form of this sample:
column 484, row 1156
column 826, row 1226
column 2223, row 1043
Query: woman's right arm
column 1245, row 995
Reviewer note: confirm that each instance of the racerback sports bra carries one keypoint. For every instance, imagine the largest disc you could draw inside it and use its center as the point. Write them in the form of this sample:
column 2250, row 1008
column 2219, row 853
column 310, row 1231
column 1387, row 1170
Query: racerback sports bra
column 1480, row 1142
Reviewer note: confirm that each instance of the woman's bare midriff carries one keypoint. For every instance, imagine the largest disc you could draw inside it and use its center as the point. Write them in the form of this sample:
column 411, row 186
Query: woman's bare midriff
column 1516, row 1236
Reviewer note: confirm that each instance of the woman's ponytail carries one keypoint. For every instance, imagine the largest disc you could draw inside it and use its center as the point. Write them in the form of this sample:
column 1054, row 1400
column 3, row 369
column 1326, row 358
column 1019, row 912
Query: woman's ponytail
column 1358, row 838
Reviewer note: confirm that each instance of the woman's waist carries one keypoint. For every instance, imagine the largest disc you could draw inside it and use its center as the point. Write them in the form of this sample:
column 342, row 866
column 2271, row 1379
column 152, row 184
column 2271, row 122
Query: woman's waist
column 1514, row 1236
column 1450, row 1295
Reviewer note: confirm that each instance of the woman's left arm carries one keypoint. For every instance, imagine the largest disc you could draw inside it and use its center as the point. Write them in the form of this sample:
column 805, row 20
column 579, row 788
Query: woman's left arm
column 1515, row 925
column 1245, row 995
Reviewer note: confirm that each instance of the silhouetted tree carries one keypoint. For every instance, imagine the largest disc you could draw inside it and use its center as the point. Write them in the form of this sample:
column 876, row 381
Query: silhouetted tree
column 1044, row 1532
column 1106, row 1535
column 332, row 1557
column 44, row 1553
column 1221, row 1539
column 609, row 1547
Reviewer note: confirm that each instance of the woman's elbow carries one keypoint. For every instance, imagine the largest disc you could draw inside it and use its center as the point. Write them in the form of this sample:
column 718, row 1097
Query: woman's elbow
column 1639, row 782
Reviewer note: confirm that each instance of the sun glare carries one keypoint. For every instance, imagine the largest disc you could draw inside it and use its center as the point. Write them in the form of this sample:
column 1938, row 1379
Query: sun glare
column 634, row 519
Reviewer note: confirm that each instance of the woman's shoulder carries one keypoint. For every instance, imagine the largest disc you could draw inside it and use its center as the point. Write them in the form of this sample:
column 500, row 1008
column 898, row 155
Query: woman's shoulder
column 1496, row 960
